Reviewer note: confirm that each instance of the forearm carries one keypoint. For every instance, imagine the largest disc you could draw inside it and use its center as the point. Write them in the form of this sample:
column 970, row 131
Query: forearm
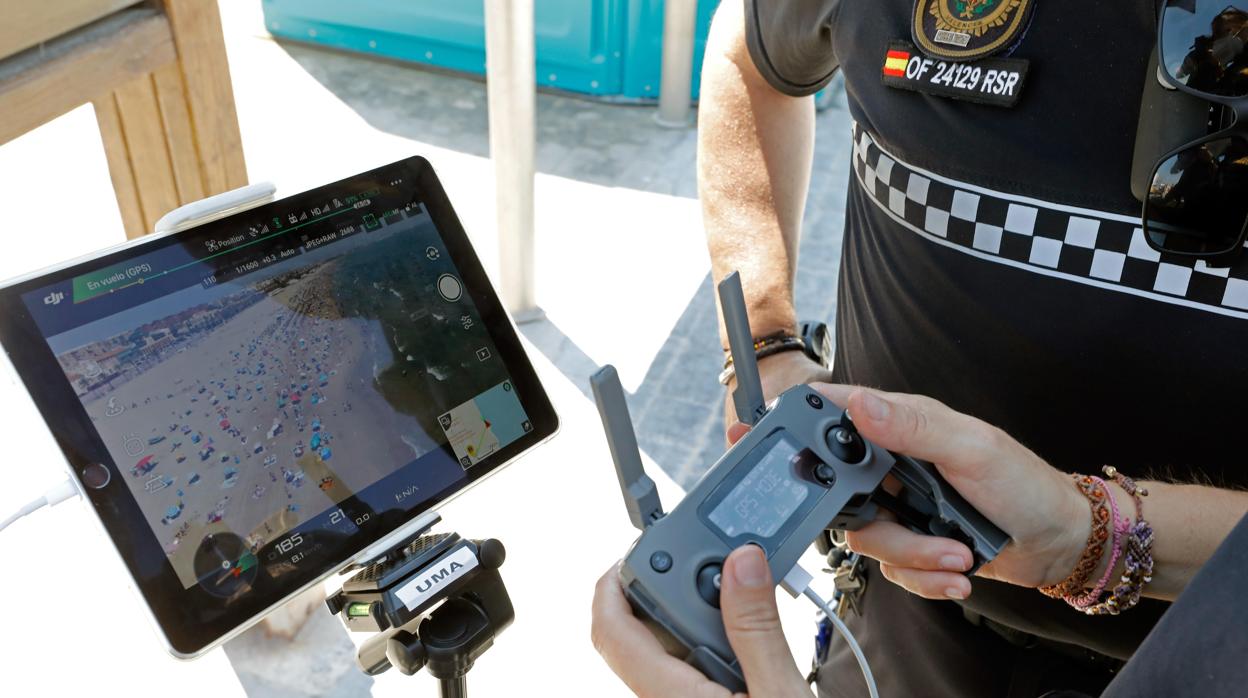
column 1189, row 522
column 754, row 157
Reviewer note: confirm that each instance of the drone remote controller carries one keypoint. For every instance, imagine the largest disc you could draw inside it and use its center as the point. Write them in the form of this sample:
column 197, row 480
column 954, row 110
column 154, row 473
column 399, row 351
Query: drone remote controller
column 801, row 469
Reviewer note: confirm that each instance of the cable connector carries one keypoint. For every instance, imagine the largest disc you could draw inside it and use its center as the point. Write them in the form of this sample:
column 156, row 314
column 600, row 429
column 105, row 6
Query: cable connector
column 797, row 583
column 60, row 492
column 55, row 495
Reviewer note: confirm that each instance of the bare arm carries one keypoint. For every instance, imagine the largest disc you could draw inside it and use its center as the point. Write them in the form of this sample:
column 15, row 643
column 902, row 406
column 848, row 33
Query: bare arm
column 754, row 156
column 1190, row 521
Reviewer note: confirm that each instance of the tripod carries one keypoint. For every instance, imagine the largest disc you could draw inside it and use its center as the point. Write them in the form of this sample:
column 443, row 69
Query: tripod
column 436, row 603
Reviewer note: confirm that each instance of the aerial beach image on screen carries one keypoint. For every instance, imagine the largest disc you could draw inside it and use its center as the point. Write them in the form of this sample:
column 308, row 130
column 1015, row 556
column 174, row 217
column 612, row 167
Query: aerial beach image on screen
column 249, row 406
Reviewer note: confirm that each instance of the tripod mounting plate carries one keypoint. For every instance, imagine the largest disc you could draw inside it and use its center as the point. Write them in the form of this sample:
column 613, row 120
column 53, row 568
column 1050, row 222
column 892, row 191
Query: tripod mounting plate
column 436, row 602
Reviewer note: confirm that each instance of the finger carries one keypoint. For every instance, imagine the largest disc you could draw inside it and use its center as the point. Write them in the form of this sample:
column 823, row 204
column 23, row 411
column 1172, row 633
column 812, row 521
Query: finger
column 837, row 393
column 748, row 602
column 896, row 545
column 635, row 654
column 736, row 432
column 930, row 585
column 923, row 428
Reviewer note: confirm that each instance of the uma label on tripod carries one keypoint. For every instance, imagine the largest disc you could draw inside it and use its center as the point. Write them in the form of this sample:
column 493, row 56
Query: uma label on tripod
column 436, row 602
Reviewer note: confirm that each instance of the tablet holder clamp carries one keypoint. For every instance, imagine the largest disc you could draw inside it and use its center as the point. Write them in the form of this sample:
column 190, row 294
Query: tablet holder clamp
column 435, row 601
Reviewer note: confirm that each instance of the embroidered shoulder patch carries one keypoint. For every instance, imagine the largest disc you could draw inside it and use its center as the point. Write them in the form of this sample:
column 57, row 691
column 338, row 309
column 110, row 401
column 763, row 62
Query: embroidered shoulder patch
column 967, row 30
column 995, row 81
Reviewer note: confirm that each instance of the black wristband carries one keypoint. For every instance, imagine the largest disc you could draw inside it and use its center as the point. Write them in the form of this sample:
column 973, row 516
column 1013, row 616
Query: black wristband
column 764, row 347
column 790, row 344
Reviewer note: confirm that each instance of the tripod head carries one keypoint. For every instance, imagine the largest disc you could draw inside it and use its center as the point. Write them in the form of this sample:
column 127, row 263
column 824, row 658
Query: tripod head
column 436, row 602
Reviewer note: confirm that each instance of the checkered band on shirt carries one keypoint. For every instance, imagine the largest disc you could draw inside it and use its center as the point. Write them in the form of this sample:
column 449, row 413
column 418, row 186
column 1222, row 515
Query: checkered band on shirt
column 1092, row 247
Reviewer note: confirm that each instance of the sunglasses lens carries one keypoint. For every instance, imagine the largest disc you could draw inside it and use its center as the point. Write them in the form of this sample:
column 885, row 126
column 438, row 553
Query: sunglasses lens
column 1198, row 199
column 1203, row 45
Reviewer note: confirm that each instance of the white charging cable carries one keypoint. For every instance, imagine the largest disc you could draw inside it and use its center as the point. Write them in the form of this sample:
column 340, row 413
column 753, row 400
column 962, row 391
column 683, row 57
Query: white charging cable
column 797, row 583
column 55, row 495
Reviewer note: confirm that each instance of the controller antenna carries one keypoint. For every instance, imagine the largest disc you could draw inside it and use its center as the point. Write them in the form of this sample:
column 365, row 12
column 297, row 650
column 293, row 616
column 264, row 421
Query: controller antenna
column 748, row 396
column 641, row 497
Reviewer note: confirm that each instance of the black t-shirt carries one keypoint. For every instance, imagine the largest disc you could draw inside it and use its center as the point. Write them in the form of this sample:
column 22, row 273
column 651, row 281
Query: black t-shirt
column 992, row 259
column 1199, row 646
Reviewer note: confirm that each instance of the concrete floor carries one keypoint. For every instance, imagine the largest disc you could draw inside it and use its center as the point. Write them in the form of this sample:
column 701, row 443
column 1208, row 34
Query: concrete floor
column 622, row 270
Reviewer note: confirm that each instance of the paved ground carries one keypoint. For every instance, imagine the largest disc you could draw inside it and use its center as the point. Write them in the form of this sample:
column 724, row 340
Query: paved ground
column 622, row 270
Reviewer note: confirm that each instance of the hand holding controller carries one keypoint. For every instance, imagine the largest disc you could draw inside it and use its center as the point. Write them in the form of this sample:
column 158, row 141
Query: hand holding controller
column 802, row 466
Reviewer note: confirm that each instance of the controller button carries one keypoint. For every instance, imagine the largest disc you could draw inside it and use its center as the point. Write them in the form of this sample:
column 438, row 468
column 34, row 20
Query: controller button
column 708, row 583
column 815, row 401
column 825, row 474
column 661, row 561
column 846, row 445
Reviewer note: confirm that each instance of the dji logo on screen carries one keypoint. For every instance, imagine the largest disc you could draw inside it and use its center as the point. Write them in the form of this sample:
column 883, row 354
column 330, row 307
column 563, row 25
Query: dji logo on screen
column 54, row 298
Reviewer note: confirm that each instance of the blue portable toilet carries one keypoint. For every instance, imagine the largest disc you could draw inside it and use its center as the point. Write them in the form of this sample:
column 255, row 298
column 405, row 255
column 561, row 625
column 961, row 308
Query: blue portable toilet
column 606, row 48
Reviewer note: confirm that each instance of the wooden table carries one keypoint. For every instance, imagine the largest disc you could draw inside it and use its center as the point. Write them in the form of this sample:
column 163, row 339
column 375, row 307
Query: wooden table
column 157, row 75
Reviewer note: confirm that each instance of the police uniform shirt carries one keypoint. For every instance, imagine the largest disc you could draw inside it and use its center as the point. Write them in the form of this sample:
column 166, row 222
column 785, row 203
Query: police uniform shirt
column 993, row 260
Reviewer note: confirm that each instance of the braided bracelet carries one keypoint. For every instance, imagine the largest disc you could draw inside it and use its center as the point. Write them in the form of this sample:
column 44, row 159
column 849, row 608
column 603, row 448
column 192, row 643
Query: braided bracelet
column 1138, row 566
column 1138, row 572
column 1122, row 529
column 1101, row 520
column 1133, row 490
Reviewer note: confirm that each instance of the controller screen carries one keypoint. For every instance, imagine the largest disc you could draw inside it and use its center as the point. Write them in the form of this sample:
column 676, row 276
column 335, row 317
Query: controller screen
column 767, row 495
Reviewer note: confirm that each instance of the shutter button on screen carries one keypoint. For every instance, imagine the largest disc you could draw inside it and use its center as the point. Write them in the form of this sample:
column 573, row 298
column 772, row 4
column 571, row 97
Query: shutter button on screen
column 450, row 288
column 708, row 583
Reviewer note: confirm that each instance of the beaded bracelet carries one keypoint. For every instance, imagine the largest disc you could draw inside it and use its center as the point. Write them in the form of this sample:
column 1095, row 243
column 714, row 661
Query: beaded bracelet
column 1133, row 490
column 1138, row 565
column 1138, row 572
column 1077, row 580
column 1122, row 529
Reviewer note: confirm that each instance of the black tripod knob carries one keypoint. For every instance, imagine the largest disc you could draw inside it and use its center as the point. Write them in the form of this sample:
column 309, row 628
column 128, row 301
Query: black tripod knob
column 406, row 652
column 491, row 553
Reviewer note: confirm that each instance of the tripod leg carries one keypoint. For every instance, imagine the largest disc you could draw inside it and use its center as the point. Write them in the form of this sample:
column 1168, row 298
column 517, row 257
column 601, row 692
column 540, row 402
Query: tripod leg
column 453, row 688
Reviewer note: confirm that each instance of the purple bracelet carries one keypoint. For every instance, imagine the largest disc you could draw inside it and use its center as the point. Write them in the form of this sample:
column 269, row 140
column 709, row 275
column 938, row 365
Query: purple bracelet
column 1138, row 555
column 1122, row 528
column 1139, row 571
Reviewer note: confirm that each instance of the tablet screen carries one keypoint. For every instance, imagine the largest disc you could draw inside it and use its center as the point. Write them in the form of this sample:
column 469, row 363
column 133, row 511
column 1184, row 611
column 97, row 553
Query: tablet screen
column 277, row 389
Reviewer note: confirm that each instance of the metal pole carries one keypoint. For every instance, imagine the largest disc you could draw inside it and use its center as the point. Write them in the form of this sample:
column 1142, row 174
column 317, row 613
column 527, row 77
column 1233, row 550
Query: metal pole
column 511, row 84
column 675, row 102
column 453, row 688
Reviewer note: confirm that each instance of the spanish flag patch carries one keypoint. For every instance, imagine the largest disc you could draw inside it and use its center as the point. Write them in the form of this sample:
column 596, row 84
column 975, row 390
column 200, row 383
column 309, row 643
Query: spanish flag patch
column 992, row 80
column 895, row 63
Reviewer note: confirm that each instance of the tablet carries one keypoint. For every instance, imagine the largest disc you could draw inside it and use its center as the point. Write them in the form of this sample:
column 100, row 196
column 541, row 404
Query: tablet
column 250, row 403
